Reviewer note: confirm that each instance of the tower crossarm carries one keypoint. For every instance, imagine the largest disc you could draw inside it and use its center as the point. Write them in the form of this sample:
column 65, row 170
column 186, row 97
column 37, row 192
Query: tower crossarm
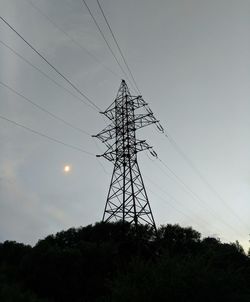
column 109, row 113
column 107, row 133
column 139, row 121
column 142, row 145
column 139, row 102
column 117, row 154
column 136, row 101
column 148, row 118
column 109, row 155
column 143, row 120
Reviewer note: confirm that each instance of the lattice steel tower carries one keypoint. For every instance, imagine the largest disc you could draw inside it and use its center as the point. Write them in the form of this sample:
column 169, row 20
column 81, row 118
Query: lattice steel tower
column 127, row 198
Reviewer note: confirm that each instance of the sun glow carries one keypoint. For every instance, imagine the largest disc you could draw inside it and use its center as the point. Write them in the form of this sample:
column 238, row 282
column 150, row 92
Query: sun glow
column 67, row 168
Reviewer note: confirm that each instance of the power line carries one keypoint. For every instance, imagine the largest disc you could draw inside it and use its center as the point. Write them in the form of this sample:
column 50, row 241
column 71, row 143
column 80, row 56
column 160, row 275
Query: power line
column 52, row 66
column 44, row 74
column 169, row 204
column 106, row 41
column 38, row 106
column 72, row 39
column 174, row 199
column 119, row 48
column 43, row 109
column 204, row 180
column 181, row 212
column 190, row 191
column 46, row 136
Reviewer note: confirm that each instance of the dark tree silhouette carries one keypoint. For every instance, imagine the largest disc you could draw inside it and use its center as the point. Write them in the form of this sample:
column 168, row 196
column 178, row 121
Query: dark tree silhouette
column 113, row 262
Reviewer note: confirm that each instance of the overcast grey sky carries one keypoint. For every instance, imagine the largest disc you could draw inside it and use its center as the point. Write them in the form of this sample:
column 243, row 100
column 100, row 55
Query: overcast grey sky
column 191, row 60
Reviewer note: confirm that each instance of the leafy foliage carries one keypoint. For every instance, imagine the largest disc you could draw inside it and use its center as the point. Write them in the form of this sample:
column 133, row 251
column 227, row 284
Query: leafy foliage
column 112, row 262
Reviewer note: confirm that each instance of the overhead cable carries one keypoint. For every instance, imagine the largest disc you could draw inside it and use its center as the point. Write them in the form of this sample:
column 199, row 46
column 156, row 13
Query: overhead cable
column 190, row 191
column 55, row 140
column 72, row 39
column 43, row 109
column 106, row 41
column 52, row 66
column 117, row 44
column 203, row 179
column 45, row 74
column 176, row 201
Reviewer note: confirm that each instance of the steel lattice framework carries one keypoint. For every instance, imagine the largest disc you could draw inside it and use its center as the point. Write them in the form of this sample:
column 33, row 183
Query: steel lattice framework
column 127, row 198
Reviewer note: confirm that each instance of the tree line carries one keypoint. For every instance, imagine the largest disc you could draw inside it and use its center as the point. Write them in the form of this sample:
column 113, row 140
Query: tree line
column 114, row 262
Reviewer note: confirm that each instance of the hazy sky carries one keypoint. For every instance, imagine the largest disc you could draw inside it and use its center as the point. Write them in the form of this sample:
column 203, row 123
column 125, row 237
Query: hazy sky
column 191, row 60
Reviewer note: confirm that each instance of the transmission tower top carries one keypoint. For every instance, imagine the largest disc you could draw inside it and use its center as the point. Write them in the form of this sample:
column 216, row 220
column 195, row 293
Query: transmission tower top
column 127, row 198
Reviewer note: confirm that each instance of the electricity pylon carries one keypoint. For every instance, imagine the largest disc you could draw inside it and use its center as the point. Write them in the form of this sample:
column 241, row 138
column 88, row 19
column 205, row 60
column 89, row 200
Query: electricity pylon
column 127, row 198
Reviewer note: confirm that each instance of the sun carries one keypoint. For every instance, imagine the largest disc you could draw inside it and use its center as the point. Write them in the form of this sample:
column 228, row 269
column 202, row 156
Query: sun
column 67, row 168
